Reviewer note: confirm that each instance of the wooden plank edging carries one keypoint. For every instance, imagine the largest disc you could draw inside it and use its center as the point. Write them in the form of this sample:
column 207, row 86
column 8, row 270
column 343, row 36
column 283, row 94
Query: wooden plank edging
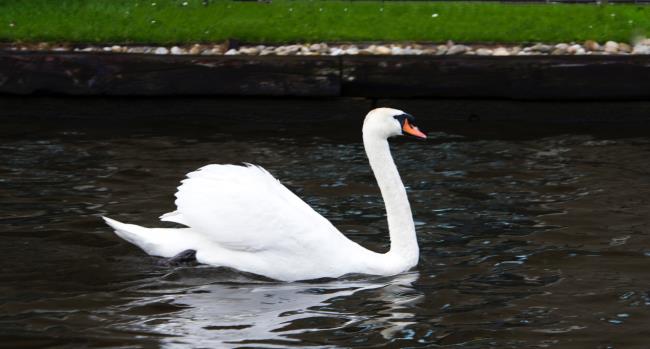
column 515, row 77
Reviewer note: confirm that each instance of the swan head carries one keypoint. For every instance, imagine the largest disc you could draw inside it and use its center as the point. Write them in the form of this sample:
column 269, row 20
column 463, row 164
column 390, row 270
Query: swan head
column 388, row 122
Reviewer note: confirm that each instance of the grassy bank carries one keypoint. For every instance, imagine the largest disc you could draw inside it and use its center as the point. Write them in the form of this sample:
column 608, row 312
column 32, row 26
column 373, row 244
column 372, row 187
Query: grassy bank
column 183, row 21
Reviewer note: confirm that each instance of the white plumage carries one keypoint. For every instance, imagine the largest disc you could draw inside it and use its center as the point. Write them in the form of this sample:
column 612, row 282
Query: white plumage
column 242, row 217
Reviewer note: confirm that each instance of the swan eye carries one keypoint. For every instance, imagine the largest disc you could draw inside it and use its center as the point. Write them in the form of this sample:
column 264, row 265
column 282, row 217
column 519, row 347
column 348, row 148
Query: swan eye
column 408, row 127
column 403, row 117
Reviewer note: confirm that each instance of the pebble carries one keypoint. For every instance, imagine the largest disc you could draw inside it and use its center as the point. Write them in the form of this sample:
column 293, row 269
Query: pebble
column 562, row 46
column 161, row 51
column 383, row 50
column 396, row 51
column 335, row 51
column 640, row 49
column 251, row 51
column 591, row 45
column 195, row 49
column 573, row 49
column 352, row 51
column 611, row 47
column 558, row 51
column 457, row 49
column 623, row 47
column 541, row 48
column 641, row 46
column 267, row 52
column 136, row 50
column 501, row 51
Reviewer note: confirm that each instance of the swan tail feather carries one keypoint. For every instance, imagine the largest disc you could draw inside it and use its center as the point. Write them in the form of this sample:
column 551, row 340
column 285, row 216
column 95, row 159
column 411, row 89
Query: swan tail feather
column 175, row 217
column 163, row 242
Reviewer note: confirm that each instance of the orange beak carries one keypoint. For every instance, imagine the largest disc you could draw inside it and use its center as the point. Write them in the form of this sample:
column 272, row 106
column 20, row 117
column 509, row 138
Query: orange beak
column 413, row 130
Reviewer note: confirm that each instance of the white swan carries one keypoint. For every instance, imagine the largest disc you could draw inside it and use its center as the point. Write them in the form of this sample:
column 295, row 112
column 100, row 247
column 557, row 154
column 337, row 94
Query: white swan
column 243, row 218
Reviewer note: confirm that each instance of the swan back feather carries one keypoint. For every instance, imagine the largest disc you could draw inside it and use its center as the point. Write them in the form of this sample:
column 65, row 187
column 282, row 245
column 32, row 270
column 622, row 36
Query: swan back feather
column 245, row 208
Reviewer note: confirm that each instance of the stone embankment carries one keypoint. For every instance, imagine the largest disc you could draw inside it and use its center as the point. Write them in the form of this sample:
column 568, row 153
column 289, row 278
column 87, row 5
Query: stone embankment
column 589, row 47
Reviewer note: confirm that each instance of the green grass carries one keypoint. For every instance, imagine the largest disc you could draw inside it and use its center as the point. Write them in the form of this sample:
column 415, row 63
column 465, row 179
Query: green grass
column 169, row 21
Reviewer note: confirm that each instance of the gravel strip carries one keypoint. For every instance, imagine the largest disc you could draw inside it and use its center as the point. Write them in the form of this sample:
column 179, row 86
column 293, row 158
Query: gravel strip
column 589, row 47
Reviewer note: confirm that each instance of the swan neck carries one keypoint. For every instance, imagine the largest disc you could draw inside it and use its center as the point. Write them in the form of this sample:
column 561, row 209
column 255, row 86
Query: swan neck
column 398, row 210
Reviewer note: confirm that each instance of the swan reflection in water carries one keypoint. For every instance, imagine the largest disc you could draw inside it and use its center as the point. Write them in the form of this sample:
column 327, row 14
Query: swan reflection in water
column 236, row 314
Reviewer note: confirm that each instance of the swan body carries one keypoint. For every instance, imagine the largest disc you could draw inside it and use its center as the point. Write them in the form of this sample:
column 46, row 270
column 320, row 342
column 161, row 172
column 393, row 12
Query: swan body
column 243, row 218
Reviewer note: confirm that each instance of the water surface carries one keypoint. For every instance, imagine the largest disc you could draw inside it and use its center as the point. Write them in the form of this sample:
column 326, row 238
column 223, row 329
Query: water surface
column 538, row 241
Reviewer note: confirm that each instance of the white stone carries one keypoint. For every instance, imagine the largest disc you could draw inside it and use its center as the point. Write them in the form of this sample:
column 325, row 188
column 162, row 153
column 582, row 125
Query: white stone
column 562, row 46
column 231, row 52
column 457, row 49
column 136, row 50
column 573, row 49
column 195, row 49
column 484, row 52
column 251, row 51
column 382, row 50
column 116, row 48
column 352, row 51
column 624, row 47
column 611, row 47
column 641, row 49
column 161, row 51
column 335, row 51
column 501, row 51
column 216, row 50
column 281, row 51
column 396, row 50
column 407, row 51
column 293, row 48
column 541, row 48
column 176, row 50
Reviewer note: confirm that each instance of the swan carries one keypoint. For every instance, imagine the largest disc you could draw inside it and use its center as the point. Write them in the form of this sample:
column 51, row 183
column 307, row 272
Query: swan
column 243, row 218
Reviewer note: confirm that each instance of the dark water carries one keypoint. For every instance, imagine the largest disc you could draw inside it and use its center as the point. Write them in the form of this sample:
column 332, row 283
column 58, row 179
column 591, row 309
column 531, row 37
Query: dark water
column 536, row 241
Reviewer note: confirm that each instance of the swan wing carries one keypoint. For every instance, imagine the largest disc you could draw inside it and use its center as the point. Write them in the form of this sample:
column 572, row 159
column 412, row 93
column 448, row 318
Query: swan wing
column 245, row 208
column 175, row 217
